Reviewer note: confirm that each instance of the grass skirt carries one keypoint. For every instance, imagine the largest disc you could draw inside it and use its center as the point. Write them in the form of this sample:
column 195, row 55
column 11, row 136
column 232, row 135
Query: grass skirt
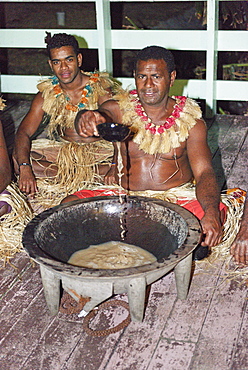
column 78, row 167
column 13, row 223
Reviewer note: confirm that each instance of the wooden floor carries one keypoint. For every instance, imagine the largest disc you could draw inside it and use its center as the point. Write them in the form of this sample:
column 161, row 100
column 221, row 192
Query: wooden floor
column 207, row 331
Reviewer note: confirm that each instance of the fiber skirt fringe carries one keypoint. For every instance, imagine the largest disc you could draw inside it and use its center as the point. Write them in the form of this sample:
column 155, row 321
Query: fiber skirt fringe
column 78, row 167
column 13, row 223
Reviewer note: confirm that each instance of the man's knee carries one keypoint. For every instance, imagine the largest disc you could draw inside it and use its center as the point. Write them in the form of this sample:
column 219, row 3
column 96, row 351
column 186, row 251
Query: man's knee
column 69, row 198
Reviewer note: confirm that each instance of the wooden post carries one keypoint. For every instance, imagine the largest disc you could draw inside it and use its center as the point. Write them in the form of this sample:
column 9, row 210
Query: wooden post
column 103, row 19
column 211, row 58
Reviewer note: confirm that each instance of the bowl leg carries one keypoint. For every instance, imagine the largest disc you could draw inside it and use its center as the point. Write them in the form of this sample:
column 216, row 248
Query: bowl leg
column 136, row 298
column 182, row 276
column 51, row 286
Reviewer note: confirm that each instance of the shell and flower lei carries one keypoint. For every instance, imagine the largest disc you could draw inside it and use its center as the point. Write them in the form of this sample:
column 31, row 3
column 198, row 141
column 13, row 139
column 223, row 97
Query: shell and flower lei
column 154, row 139
column 86, row 92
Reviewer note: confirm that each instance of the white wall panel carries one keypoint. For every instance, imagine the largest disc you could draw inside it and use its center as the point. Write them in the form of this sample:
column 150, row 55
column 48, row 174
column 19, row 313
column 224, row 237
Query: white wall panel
column 178, row 40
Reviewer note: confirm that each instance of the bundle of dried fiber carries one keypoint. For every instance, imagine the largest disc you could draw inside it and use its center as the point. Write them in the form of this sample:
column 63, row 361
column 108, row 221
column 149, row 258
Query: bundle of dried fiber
column 78, row 164
column 50, row 195
column 13, row 223
column 78, row 167
column 221, row 251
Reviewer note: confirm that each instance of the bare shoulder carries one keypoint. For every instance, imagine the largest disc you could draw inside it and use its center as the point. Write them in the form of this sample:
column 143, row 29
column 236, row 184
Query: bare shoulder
column 4, row 158
column 37, row 102
column 199, row 130
column 36, row 109
column 34, row 116
column 2, row 141
column 197, row 143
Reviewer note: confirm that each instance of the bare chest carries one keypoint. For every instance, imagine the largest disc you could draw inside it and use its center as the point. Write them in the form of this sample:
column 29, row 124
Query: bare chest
column 131, row 150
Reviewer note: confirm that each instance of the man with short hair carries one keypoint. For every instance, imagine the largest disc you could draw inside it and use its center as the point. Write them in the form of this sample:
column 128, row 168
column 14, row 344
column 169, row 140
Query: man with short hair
column 167, row 151
column 71, row 161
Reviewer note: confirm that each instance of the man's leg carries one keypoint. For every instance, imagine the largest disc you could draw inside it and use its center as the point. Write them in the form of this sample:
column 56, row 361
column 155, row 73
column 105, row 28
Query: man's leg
column 85, row 193
column 42, row 167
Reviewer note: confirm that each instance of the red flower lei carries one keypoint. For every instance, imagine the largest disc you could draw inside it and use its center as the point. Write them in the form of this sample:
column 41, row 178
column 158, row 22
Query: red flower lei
column 170, row 121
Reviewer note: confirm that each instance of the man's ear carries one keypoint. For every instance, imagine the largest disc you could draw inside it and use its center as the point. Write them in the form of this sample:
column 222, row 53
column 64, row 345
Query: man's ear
column 173, row 77
column 134, row 73
column 80, row 59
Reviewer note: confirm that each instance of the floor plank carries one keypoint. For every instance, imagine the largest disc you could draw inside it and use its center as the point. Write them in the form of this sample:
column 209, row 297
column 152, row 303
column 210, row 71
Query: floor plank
column 24, row 335
column 186, row 320
column 240, row 353
column 226, row 139
column 172, row 355
column 231, row 145
column 140, row 339
column 221, row 327
column 8, row 276
column 238, row 176
column 17, row 300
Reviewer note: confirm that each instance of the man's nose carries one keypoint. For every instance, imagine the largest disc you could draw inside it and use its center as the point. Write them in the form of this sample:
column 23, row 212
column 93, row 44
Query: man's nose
column 148, row 82
column 63, row 64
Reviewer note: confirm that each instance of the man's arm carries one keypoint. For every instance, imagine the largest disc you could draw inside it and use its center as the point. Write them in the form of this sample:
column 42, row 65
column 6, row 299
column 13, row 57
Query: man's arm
column 86, row 121
column 207, row 191
column 27, row 128
column 239, row 248
column 104, row 98
column 5, row 170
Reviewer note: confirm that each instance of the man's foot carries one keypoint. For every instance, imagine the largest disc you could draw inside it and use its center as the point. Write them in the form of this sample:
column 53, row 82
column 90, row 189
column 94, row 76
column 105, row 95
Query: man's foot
column 200, row 253
column 4, row 208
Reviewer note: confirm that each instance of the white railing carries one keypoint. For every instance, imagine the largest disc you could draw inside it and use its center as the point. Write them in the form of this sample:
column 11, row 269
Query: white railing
column 106, row 39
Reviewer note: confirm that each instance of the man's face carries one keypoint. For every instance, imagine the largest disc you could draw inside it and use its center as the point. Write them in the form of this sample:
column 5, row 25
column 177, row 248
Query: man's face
column 65, row 63
column 153, row 81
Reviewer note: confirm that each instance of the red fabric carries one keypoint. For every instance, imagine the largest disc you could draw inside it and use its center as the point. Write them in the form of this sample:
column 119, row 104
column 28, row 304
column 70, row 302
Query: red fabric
column 192, row 205
column 98, row 192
